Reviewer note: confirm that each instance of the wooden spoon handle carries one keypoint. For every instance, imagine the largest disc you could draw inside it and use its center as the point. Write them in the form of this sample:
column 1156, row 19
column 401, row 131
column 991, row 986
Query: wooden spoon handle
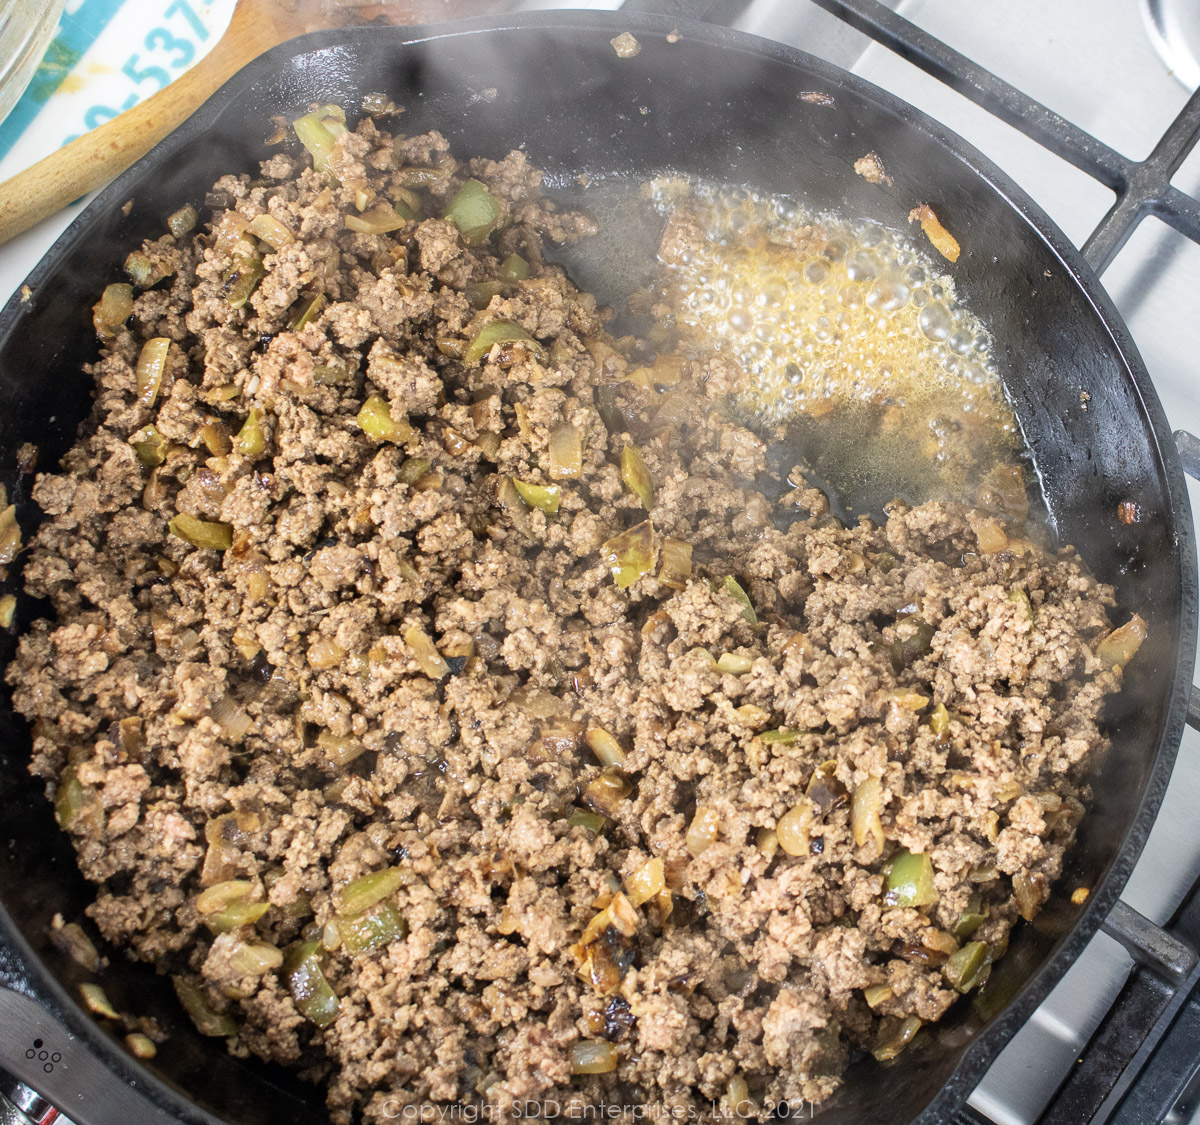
column 102, row 154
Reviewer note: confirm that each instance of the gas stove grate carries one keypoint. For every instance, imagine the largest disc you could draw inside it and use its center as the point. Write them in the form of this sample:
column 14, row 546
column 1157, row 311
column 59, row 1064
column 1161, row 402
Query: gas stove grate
column 1142, row 1064
column 1143, row 187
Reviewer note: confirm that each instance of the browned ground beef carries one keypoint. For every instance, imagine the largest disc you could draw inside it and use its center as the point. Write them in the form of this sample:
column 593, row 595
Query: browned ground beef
column 961, row 687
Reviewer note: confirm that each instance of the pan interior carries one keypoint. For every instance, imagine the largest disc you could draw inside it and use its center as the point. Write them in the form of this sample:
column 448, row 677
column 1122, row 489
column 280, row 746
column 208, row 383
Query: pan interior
column 720, row 107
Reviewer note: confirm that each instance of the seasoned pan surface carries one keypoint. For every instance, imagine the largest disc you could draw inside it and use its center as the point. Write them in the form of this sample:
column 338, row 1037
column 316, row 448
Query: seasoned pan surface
column 724, row 106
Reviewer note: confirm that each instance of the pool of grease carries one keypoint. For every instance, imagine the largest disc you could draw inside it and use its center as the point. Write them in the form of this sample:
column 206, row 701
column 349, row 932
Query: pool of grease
column 859, row 363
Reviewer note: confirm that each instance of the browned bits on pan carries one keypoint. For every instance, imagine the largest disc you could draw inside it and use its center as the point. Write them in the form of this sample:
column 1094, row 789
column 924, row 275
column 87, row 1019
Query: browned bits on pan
column 1129, row 511
column 943, row 241
column 1080, row 895
column 871, row 168
column 618, row 1019
column 815, row 97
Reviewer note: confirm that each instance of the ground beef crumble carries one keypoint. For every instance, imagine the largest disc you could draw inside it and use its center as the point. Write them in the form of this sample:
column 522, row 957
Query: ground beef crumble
column 399, row 666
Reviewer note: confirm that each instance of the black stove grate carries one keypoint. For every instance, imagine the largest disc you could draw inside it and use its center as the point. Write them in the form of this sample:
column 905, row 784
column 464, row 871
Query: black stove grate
column 1142, row 1064
column 1142, row 187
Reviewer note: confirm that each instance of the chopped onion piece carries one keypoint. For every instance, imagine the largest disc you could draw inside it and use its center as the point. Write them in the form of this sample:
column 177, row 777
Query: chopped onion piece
column 428, row 659
column 624, row 917
column 71, row 940
column 1030, row 892
column 702, row 832
column 734, row 663
column 231, row 236
column 781, row 736
column 314, row 132
column 381, row 219
column 606, row 792
column 183, row 221
column 898, row 1040
column 223, row 894
column 793, row 827
column 909, row 700
column 325, row 653
column 231, row 718
column 341, row 750
column 989, row 535
column 752, row 715
column 10, row 535
column 943, row 241
column 144, row 270
column 876, row 994
column 626, row 46
column 1118, row 647
column 76, row 805
column 110, row 313
column 416, row 177
column 646, row 882
column 141, row 1046
column 566, row 452
column 606, row 748
column 1003, row 490
column 270, row 230
column 241, row 279
column 597, row 925
column 216, row 439
column 864, row 813
column 593, row 1056
column 97, row 1002
column 150, row 365
column 253, row 958
column 737, row 1095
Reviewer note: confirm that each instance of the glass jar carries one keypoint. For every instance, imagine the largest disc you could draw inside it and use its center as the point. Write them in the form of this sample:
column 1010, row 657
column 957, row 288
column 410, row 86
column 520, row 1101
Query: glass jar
column 26, row 28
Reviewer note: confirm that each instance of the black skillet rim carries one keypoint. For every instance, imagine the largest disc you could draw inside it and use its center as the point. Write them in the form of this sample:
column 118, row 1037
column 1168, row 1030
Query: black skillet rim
column 981, row 1052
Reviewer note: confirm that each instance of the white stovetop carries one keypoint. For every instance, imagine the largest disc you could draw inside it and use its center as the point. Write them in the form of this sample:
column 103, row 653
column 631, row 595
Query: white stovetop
column 1092, row 61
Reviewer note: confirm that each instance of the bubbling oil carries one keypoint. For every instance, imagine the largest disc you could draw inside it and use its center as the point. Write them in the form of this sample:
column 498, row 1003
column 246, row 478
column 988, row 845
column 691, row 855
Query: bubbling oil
column 842, row 322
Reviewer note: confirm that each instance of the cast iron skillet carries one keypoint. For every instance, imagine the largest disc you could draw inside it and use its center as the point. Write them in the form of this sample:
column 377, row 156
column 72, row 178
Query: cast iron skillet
column 723, row 105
